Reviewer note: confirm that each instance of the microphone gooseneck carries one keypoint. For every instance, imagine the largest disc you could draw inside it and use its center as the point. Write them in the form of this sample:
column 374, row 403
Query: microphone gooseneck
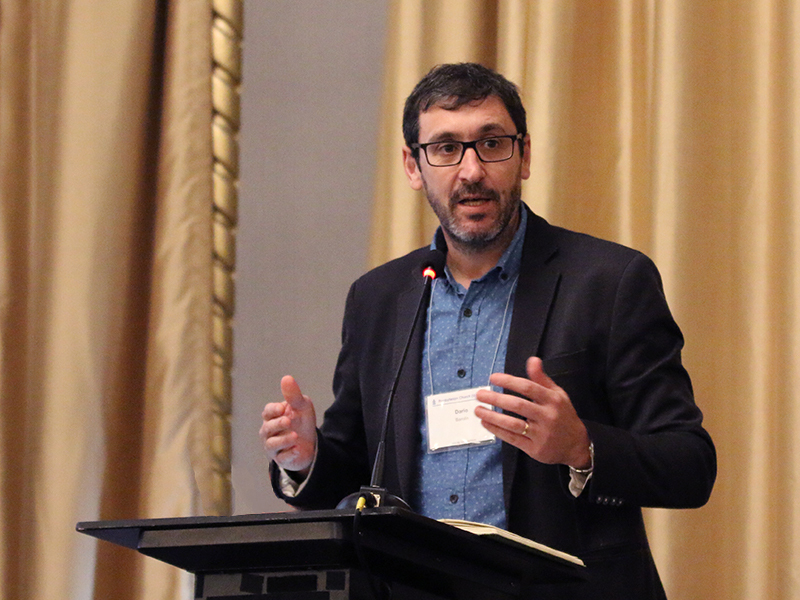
column 375, row 494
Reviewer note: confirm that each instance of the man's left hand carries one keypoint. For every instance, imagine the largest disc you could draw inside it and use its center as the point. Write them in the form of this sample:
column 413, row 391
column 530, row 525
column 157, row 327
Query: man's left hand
column 549, row 429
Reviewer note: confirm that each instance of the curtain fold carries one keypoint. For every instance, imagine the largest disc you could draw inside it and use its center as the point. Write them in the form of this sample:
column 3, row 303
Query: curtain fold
column 105, row 287
column 670, row 126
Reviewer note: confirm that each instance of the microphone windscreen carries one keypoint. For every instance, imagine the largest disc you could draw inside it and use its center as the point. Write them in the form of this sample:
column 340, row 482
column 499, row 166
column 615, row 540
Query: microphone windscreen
column 435, row 260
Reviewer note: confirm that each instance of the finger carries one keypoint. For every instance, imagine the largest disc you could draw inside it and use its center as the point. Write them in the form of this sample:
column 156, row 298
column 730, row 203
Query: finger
column 501, row 421
column 514, row 404
column 292, row 394
column 276, row 426
column 519, row 385
column 273, row 410
column 274, row 443
column 515, row 438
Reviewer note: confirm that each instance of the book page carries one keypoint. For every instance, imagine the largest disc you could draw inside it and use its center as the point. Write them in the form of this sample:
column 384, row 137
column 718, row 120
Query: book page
column 507, row 536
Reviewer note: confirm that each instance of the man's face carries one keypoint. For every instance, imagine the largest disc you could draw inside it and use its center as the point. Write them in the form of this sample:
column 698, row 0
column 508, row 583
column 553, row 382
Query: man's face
column 476, row 202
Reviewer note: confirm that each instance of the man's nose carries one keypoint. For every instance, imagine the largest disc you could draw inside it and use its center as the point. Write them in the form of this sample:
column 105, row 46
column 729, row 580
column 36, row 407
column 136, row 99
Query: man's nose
column 471, row 167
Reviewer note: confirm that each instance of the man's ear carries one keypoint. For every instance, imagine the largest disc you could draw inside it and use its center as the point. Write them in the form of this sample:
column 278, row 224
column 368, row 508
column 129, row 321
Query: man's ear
column 526, row 157
column 412, row 169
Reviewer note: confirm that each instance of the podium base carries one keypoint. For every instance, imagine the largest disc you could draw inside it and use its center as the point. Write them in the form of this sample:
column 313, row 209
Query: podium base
column 315, row 584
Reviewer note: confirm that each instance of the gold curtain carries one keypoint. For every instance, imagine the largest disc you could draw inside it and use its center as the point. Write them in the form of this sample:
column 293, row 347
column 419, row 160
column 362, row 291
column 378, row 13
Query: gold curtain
column 105, row 288
column 671, row 126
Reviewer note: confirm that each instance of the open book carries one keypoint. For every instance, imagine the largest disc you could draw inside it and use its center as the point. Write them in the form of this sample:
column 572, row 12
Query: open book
column 511, row 538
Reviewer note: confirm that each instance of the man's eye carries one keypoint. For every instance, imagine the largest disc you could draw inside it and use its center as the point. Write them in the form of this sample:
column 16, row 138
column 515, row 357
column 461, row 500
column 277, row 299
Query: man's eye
column 446, row 148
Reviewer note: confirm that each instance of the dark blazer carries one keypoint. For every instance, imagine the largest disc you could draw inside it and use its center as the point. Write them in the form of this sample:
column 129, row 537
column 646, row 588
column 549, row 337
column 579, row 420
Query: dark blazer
column 596, row 314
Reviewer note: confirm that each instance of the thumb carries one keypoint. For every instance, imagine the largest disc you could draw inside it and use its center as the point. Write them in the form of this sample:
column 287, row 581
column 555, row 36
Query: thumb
column 292, row 394
column 536, row 373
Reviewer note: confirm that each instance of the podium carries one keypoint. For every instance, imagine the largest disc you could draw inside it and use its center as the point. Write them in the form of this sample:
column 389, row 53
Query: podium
column 337, row 555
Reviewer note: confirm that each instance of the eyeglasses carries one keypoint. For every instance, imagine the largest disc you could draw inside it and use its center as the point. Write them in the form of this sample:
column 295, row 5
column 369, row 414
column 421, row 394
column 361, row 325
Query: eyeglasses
column 448, row 154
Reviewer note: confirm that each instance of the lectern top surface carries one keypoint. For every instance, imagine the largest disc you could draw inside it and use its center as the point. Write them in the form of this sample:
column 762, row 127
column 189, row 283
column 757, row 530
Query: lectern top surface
column 396, row 540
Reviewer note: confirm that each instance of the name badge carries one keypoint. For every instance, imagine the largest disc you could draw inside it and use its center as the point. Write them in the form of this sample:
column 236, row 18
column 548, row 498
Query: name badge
column 452, row 422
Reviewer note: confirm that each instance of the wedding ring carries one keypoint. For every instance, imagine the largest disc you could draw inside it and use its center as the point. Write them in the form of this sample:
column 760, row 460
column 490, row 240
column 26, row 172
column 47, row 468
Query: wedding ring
column 525, row 431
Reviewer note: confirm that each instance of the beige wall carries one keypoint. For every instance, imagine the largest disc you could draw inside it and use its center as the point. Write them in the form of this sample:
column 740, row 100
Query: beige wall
column 312, row 75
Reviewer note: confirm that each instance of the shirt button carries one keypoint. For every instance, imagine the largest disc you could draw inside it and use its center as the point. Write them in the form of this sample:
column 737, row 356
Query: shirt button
column 453, row 498
column 467, row 312
column 461, row 373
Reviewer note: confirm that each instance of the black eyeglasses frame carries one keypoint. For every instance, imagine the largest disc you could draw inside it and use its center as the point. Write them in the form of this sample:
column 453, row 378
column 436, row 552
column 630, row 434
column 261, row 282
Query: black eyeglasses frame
column 466, row 146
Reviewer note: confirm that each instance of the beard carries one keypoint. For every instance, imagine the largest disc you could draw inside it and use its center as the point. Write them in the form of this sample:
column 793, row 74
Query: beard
column 472, row 239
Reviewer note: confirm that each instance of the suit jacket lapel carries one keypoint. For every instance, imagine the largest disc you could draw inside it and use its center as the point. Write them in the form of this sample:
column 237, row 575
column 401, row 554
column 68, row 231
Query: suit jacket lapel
column 536, row 290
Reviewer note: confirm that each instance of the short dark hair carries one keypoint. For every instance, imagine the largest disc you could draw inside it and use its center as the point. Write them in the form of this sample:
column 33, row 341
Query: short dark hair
column 451, row 86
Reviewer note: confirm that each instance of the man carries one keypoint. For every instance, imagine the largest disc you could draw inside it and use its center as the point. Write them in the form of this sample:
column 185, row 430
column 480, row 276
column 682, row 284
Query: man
column 590, row 415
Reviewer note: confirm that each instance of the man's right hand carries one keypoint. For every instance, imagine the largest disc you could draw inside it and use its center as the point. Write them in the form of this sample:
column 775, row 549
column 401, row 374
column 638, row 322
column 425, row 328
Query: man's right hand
column 289, row 429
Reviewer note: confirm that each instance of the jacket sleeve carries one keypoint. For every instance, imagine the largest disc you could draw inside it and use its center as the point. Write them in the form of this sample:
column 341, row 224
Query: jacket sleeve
column 653, row 451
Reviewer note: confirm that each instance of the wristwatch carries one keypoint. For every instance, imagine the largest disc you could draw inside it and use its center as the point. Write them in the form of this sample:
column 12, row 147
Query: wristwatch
column 590, row 468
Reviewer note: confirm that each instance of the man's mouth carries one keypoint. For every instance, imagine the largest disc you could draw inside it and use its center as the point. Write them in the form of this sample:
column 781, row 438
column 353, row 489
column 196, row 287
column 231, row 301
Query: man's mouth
column 475, row 197
column 474, row 201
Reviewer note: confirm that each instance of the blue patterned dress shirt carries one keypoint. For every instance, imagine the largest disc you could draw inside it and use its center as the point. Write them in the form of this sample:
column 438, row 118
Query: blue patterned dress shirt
column 466, row 339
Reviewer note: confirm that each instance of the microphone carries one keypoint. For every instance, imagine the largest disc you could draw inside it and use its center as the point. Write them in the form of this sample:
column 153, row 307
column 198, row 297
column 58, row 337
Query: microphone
column 375, row 495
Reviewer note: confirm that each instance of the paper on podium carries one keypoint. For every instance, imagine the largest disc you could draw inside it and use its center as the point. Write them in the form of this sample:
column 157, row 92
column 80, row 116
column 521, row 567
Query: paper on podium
column 492, row 532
